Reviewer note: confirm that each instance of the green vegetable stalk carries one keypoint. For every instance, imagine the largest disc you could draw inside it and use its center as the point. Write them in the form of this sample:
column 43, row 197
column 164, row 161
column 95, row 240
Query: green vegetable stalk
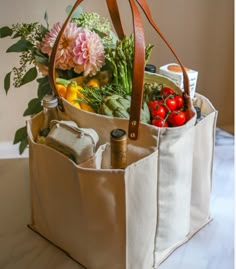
column 121, row 59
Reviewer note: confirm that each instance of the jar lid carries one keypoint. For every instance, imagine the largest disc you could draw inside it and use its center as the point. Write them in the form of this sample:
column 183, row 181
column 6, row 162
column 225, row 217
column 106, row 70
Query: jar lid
column 49, row 101
column 150, row 68
column 118, row 133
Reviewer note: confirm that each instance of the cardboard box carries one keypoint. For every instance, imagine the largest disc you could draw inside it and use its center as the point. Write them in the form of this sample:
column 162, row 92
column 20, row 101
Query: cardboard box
column 174, row 72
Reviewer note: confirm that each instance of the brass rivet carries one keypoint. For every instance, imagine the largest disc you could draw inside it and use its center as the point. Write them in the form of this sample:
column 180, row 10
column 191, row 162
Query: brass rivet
column 132, row 135
column 134, row 123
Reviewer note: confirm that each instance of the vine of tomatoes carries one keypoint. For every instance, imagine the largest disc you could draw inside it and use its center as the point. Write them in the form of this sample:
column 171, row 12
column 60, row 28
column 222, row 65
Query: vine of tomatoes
column 168, row 109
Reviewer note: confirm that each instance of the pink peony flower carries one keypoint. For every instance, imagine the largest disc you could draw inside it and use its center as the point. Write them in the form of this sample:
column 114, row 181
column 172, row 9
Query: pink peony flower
column 89, row 55
column 64, row 57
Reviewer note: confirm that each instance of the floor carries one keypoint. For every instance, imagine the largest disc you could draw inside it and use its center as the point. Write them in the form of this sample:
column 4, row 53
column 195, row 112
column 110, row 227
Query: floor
column 211, row 248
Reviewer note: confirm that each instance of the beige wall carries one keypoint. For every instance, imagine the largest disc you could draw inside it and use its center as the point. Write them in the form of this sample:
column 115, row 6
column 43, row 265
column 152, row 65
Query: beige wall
column 200, row 31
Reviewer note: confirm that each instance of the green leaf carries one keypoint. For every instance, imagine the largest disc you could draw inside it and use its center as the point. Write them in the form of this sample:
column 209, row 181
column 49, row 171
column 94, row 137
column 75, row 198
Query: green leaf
column 22, row 138
column 77, row 13
column 34, row 107
column 5, row 31
column 30, row 75
column 100, row 34
column 16, row 35
column 37, row 53
column 41, row 60
column 20, row 46
column 46, row 18
column 23, row 145
column 44, row 30
column 44, row 87
column 7, row 82
column 20, row 135
column 42, row 80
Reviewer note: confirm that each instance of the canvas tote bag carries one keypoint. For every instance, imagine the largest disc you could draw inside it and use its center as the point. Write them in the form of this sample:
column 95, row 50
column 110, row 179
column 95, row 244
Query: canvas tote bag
column 185, row 212
column 127, row 218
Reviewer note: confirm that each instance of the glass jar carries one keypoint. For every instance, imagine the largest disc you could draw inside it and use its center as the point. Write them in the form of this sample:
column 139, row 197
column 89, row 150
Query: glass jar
column 50, row 113
column 118, row 149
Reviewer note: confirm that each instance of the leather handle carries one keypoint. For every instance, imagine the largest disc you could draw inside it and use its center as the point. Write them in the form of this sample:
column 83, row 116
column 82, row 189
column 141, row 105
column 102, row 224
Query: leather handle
column 139, row 60
column 139, row 57
column 138, row 72
column 143, row 4
column 138, row 69
column 115, row 16
column 52, row 60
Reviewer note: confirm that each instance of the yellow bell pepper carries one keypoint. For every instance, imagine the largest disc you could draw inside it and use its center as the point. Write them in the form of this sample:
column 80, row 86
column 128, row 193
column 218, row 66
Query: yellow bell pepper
column 93, row 82
column 72, row 93
column 61, row 86
column 79, row 80
column 61, row 90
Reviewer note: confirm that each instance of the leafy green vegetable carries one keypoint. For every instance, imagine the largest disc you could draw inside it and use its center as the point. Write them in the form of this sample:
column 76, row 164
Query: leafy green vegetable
column 94, row 96
column 121, row 59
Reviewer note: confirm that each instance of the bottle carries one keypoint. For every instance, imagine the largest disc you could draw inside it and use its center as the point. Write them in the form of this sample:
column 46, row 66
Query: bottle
column 118, row 149
column 50, row 113
column 150, row 68
column 197, row 103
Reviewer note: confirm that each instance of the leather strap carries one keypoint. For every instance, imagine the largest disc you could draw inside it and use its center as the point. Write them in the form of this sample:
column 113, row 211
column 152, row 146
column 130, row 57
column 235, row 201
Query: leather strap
column 52, row 60
column 143, row 4
column 139, row 58
column 115, row 17
column 190, row 110
column 138, row 72
column 114, row 13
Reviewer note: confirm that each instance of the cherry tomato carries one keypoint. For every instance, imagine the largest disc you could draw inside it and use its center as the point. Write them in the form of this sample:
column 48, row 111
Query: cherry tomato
column 166, row 91
column 159, row 122
column 152, row 105
column 171, row 103
column 178, row 118
column 170, row 118
column 179, row 101
column 160, row 111
column 162, row 103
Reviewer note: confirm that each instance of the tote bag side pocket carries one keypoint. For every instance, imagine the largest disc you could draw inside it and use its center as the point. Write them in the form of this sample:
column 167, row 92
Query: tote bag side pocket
column 204, row 141
column 174, row 189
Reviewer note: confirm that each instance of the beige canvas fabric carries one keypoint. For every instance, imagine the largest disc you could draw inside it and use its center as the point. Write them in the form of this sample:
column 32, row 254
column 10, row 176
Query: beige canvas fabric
column 98, row 215
column 131, row 218
column 204, row 141
column 184, row 185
